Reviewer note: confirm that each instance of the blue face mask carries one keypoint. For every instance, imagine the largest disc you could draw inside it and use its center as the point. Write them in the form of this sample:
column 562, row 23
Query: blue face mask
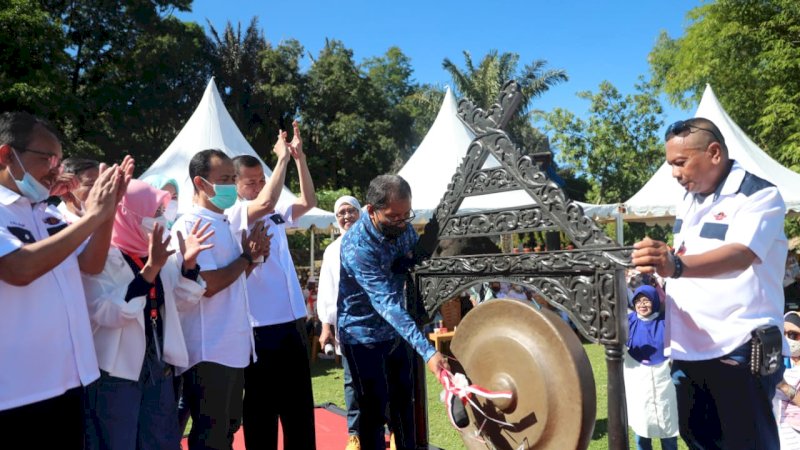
column 30, row 187
column 224, row 195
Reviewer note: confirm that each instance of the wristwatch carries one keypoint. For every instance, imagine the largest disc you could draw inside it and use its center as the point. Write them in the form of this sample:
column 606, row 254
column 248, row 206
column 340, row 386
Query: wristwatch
column 247, row 257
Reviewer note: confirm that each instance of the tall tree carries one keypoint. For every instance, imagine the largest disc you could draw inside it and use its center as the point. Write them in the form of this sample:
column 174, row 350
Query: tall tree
column 749, row 52
column 238, row 74
column 115, row 76
column 349, row 133
column 617, row 147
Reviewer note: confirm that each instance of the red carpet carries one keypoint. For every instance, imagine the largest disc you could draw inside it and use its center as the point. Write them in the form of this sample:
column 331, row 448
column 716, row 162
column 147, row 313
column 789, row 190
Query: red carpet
column 331, row 432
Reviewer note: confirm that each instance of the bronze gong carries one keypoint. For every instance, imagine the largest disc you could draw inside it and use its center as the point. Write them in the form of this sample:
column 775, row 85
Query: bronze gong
column 506, row 345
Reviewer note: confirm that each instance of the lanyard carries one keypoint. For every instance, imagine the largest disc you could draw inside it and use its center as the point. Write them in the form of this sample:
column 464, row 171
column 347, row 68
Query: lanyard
column 153, row 306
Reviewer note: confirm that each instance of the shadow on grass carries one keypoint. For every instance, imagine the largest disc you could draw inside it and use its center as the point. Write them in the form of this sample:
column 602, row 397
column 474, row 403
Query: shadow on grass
column 600, row 429
column 323, row 367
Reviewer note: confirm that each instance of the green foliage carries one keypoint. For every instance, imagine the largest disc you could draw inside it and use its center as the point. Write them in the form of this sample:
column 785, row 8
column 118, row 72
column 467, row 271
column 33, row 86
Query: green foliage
column 348, row 119
column 326, row 198
column 617, row 147
column 749, row 52
column 482, row 84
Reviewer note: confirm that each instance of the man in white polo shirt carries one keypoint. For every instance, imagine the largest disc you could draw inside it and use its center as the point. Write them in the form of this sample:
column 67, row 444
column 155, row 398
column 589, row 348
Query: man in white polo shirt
column 278, row 385
column 726, row 282
column 217, row 328
column 46, row 349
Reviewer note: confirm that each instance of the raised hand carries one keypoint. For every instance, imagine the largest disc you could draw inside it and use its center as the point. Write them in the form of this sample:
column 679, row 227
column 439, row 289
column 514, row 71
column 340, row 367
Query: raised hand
column 281, row 147
column 159, row 250
column 102, row 198
column 64, row 184
column 194, row 244
column 296, row 146
column 126, row 171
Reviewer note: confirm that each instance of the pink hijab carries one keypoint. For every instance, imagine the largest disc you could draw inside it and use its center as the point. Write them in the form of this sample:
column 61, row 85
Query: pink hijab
column 140, row 200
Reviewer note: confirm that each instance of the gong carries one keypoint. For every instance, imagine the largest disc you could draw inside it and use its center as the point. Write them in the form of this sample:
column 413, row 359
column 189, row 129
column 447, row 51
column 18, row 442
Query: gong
column 509, row 345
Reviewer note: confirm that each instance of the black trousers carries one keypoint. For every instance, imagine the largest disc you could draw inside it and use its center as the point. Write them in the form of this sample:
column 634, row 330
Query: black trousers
column 213, row 393
column 53, row 423
column 277, row 386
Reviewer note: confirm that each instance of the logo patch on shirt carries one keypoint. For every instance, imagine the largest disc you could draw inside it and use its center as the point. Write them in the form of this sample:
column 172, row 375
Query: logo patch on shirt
column 720, row 215
column 22, row 234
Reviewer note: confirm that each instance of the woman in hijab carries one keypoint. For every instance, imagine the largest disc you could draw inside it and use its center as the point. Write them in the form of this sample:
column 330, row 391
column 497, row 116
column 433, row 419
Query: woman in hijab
column 171, row 186
column 786, row 401
column 650, row 394
column 347, row 210
column 133, row 307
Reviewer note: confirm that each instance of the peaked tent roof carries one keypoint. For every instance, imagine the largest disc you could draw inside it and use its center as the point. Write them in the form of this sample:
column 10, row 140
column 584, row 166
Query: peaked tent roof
column 431, row 168
column 656, row 200
column 211, row 126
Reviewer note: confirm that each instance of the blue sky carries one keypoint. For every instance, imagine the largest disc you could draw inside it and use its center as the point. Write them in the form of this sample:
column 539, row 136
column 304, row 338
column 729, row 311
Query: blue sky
column 592, row 40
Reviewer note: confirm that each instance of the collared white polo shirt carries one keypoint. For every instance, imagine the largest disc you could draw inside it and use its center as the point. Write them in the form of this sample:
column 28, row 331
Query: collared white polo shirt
column 46, row 343
column 217, row 329
column 710, row 317
column 275, row 294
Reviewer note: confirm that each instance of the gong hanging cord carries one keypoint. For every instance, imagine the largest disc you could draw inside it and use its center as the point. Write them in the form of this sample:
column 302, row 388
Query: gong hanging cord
column 458, row 391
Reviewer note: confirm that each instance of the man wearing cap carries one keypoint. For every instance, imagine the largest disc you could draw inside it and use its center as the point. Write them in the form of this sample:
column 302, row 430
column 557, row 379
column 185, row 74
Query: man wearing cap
column 725, row 287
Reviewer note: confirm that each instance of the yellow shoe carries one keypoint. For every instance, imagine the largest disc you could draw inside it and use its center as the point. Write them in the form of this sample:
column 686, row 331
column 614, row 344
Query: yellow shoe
column 353, row 443
column 392, row 446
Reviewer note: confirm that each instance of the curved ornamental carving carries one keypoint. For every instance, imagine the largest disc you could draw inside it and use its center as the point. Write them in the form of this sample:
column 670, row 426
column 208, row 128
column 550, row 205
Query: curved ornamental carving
column 587, row 284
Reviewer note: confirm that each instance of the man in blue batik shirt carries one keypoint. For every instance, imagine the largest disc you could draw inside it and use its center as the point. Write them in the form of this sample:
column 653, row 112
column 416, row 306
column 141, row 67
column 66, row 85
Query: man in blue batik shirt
column 376, row 333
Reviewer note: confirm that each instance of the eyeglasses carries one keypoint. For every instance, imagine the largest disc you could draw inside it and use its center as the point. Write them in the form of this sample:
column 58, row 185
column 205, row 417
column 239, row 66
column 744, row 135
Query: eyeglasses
column 53, row 160
column 793, row 335
column 347, row 212
column 642, row 301
column 395, row 220
column 682, row 126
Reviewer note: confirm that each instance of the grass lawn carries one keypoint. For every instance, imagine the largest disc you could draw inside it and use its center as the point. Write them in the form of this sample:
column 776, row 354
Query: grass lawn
column 327, row 381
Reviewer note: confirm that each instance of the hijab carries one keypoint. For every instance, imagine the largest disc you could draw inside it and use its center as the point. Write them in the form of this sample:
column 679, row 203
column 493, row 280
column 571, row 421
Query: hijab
column 350, row 200
column 140, row 200
column 646, row 335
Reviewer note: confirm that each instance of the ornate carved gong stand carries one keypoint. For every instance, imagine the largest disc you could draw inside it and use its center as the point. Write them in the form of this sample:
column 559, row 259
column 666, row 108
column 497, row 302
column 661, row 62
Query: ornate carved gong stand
column 587, row 283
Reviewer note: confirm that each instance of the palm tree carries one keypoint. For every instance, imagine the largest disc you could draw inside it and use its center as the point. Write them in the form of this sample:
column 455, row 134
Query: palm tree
column 482, row 84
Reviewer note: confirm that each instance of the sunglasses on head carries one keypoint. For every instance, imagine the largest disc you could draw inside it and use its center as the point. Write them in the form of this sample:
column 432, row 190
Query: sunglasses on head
column 682, row 126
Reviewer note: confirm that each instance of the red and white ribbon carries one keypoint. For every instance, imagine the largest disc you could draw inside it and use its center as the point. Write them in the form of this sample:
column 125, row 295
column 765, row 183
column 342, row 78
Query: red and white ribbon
column 457, row 385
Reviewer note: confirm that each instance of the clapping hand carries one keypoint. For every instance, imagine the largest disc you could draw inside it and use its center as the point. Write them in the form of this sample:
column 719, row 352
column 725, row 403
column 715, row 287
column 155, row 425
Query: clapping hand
column 296, row 146
column 194, row 244
column 102, row 198
column 257, row 243
column 64, row 184
column 281, row 147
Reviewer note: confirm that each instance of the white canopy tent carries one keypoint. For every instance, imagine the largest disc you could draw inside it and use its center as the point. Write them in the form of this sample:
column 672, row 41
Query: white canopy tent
column 211, row 126
column 655, row 202
column 431, row 168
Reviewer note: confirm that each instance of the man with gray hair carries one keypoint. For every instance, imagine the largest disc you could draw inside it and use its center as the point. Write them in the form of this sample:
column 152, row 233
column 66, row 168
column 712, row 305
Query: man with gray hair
column 376, row 333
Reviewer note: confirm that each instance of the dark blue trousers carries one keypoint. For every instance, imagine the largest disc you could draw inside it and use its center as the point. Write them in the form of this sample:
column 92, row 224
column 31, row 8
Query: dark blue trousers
column 131, row 415
column 383, row 384
column 721, row 405
column 350, row 402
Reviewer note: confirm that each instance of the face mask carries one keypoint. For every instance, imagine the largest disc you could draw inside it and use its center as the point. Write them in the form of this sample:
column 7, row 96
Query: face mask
column 794, row 347
column 171, row 211
column 149, row 224
column 224, row 195
column 390, row 231
column 30, row 187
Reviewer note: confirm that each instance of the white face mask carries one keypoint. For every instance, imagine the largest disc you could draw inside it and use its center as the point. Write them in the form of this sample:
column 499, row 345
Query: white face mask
column 30, row 187
column 149, row 223
column 794, row 347
column 171, row 211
